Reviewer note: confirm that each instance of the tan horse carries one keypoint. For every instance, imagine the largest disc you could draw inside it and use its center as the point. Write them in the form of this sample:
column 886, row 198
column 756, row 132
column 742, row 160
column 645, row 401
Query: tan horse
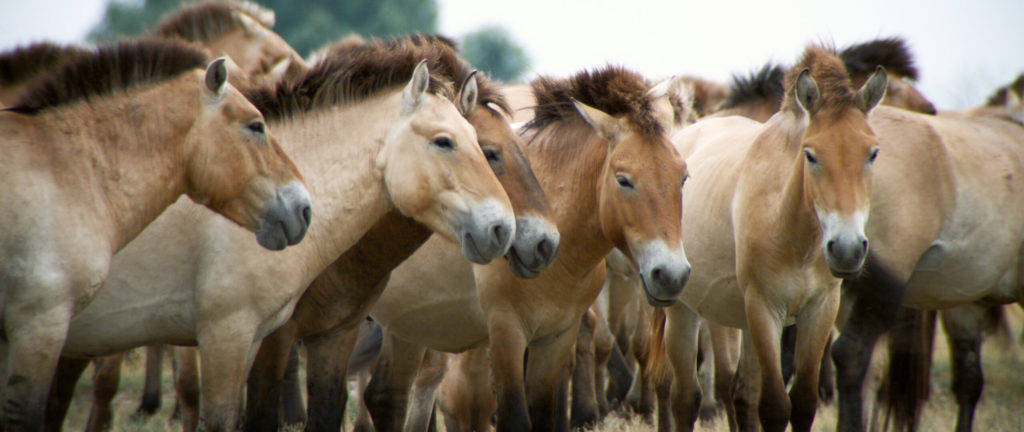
column 240, row 30
column 215, row 148
column 614, row 138
column 372, row 147
column 794, row 192
column 341, row 297
column 954, row 238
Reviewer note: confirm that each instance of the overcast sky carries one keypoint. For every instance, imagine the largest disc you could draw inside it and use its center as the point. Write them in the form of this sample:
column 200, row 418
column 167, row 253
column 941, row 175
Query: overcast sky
column 964, row 49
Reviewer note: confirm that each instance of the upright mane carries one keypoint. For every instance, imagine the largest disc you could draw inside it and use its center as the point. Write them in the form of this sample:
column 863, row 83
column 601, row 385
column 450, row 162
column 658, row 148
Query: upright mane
column 202, row 22
column 891, row 53
column 1001, row 94
column 762, row 85
column 345, row 77
column 442, row 59
column 109, row 69
column 617, row 91
column 834, row 87
column 27, row 62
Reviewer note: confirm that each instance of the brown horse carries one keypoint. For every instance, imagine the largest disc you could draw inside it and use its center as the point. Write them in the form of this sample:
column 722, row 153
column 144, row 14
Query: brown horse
column 341, row 297
column 214, row 147
column 373, row 146
column 794, row 192
column 606, row 165
column 955, row 240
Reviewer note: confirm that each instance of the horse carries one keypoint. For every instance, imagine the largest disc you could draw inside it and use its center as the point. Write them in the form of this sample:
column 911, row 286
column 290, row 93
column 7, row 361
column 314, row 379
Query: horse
column 793, row 193
column 240, row 30
column 598, row 144
column 342, row 295
column 954, row 241
column 68, row 152
column 375, row 141
column 21, row 66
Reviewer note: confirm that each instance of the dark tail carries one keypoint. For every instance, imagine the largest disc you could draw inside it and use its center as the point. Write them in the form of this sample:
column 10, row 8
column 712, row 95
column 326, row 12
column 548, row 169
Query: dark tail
column 367, row 349
column 656, row 354
column 996, row 324
column 905, row 386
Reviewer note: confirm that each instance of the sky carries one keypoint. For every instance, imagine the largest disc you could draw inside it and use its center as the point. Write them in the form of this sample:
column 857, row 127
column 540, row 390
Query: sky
column 964, row 50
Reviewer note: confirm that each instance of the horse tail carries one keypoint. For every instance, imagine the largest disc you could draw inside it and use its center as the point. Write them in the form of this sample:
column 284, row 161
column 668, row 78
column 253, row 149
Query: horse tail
column 656, row 353
column 905, row 386
column 997, row 324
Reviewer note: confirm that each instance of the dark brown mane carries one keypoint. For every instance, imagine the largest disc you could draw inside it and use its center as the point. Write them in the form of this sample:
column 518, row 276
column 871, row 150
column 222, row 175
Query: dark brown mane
column 345, row 77
column 762, row 85
column 891, row 53
column 206, row 21
column 109, row 69
column 615, row 90
column 27, row 62
column 1002, row 93
column 829, row 73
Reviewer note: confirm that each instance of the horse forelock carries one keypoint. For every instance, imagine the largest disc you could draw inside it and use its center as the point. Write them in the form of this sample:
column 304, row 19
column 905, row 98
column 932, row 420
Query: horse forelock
column 765, row 84
column 108, row 69
column 617, row 91
column 208, row 20
column 829, row 73
column 891, row 53
column 27, row 62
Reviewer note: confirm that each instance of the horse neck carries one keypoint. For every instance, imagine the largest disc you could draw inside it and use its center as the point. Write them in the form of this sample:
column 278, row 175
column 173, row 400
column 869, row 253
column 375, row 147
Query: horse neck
column 569, row 176
column 336, row 150
column 775, row 166
column 127, row 149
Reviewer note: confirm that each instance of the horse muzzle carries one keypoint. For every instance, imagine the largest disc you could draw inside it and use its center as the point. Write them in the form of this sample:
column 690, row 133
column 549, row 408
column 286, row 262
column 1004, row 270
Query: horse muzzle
column 486, row 232
column 287, row 218
column 534, row 247
column 845, row 255
column 664, row 273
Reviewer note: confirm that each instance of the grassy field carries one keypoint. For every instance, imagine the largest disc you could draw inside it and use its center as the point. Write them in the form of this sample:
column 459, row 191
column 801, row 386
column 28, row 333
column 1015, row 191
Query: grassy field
column 1001, row 407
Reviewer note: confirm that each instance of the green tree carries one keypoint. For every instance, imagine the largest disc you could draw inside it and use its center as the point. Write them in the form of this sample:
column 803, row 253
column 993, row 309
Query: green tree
column 493, row 50
column 130, row 18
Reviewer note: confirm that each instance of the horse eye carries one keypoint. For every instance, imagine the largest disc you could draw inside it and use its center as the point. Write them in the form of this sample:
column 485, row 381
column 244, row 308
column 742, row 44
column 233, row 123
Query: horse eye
column 810, row 157
column 685, row 177
column 443, row 143
column 256, row 127
column 492, row 155
column 874, row 155
column 624, row 181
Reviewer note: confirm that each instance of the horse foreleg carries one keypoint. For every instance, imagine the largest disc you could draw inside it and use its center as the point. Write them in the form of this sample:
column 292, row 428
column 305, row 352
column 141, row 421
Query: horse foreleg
column 814, row 329
column 725, row 342
column 466, row 398
column 507, row 348
column 706, row 374
column 292, row 410
column 746, row 386
column 387, row 395
column 327, row 360
column 34, row 342
column 186, row 386
column 106, row 377
column 151, row 389
column 69, row 370
column 681, row 337
column 424, row 391
column 547, row 380
column 584, row 411
column 226, row 355
column 263, row 392
column 964, row 327
column 765, row 329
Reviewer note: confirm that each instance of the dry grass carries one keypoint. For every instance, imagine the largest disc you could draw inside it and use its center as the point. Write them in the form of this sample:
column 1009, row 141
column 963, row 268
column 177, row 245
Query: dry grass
column 1001, row 407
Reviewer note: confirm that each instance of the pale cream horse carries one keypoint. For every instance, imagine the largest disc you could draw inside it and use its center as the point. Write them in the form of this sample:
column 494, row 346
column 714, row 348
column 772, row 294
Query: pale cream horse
column 92, row 154
column 369, row 146
column 794, row 194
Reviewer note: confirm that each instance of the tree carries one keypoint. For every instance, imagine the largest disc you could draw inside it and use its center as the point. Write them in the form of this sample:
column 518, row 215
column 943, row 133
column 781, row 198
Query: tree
column 493, row 50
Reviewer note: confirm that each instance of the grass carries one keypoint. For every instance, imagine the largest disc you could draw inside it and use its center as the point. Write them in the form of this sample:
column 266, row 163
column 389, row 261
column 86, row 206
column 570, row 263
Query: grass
column 1000, row 408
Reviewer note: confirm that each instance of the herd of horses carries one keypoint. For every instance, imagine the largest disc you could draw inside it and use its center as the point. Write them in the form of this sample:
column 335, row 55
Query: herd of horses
column 385, row 179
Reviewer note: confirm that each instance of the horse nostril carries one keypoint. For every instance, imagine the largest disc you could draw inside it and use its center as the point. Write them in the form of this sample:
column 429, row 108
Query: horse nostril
column 831, row 247
column 500, row 234
column 864, row 244
column 307, row 214
column 545, row 249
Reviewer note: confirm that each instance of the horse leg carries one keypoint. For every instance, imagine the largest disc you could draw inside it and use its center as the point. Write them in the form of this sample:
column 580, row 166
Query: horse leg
column 106, row 377
column 151, row 389
column 765, row 329
column 706, row 374
column 327, row 360
column 424, row 391
column 814, row 329
column 62, row 391
column 186, row 386
column 746, row 387
column 34, row 341
column 584, row 412
column 827, row 376
column 362, row 422
column 878, row 295
column 546, row 381
column 725, row 342
column 662, row 384
column 507, row 348
column 964, row 327
column 641, row 395
column 226, row 355
column 292, row 411
column 681, row 337
column 387, row 395
column 263, row 392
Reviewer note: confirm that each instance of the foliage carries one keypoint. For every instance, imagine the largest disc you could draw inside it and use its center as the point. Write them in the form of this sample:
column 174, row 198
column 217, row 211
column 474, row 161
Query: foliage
column 493, row 50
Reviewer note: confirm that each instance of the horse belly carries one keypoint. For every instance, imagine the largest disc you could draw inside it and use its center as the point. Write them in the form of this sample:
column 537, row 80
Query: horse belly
column 952, row 274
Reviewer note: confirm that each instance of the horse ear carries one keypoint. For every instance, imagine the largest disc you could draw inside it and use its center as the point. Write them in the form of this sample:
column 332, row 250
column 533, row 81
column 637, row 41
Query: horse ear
column 873, row 91
column 279, row 70
column 248, row 24
column 413, row 93
column 1014, row 105
column 468, row 94
column 807, row 95
column 216, row 76
column 607, row 126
